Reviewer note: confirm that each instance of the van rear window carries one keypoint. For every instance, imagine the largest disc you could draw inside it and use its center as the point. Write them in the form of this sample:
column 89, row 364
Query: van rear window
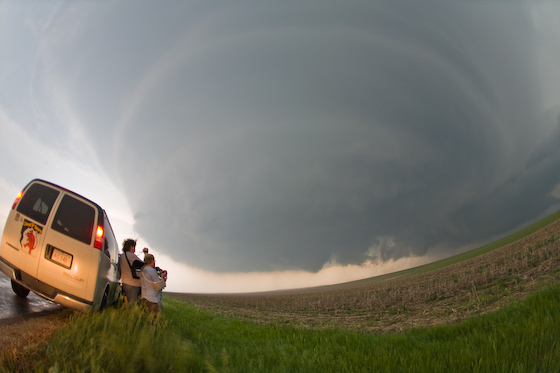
column 74, row 219
column 37, row 202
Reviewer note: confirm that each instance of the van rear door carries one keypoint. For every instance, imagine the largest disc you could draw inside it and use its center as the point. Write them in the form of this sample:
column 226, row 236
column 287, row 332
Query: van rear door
column 25, row 227
column 69, row 246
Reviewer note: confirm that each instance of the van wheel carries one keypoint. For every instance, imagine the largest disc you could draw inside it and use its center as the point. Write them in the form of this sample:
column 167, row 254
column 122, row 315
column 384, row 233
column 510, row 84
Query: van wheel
column 104, row 300
column 20, row 290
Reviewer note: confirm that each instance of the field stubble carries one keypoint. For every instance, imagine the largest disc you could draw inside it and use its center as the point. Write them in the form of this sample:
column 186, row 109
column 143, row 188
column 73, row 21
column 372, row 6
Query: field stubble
column 443, row 296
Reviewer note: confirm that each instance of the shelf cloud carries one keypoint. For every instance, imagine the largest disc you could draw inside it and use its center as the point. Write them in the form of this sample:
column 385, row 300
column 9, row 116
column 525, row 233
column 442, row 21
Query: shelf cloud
column 255, row 136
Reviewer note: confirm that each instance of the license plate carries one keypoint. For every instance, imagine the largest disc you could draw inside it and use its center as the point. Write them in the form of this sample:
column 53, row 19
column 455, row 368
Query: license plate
column 62, row 258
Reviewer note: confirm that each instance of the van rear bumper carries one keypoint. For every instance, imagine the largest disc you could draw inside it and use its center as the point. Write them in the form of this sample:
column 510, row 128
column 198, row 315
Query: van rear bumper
column 44, row 290
column 8, row 271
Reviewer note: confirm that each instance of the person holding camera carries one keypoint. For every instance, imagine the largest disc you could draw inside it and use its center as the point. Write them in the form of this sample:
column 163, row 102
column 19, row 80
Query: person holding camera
column 128, row 265
column 152, row 283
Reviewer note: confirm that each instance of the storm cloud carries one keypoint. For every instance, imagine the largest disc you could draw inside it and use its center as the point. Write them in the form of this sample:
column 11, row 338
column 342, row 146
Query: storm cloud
column 255, row 136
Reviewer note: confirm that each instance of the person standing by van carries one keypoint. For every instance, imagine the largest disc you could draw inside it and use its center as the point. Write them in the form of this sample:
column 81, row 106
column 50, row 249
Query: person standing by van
column 129, row 262
column 152, row 285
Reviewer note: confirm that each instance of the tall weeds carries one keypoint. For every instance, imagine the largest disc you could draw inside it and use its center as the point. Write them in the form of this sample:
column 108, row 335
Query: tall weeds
column 120, row 340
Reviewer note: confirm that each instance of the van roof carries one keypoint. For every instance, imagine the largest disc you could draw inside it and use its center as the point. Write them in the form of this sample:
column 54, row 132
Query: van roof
column 65, row 189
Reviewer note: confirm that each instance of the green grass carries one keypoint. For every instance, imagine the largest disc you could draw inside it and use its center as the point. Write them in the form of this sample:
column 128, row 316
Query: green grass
column 520, row 338
column 119, row 340
column 523, row 338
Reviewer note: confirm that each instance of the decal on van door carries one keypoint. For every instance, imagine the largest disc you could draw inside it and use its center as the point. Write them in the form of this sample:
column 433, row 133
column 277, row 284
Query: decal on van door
column 30, row 234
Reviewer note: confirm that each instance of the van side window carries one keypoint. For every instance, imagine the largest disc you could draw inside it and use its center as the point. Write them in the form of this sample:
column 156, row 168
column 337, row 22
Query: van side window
column 37, row 202
column 74, row 219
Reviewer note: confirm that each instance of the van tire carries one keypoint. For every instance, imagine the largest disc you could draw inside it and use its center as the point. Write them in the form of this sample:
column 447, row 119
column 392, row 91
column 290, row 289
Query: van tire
column 20, row 290
column 103, row 304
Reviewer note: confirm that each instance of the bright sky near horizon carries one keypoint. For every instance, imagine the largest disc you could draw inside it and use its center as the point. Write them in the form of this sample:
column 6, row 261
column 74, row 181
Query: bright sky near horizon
column 261, row 146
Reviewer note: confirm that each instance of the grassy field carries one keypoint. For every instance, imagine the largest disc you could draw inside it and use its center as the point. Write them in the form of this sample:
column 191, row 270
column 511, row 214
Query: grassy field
column 494, row 310
column 448, row 291
column 523, row 337
column 520, row 338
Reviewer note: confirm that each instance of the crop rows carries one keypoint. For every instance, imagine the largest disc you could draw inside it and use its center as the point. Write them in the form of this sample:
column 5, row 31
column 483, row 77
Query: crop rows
column 446, row 295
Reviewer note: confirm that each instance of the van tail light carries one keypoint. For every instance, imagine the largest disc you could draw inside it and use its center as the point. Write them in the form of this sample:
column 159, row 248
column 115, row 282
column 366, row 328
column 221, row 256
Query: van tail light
column 17, row 199
column 98, row 244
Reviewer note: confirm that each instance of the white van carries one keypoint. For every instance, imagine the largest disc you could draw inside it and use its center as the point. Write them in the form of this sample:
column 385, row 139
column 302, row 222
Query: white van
column 61, row 246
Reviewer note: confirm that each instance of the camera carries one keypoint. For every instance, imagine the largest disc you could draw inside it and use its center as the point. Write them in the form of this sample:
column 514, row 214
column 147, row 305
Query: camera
column 161, row 272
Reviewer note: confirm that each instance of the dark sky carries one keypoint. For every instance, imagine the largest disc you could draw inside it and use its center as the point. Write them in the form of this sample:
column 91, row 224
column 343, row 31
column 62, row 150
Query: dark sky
column 250, row 136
